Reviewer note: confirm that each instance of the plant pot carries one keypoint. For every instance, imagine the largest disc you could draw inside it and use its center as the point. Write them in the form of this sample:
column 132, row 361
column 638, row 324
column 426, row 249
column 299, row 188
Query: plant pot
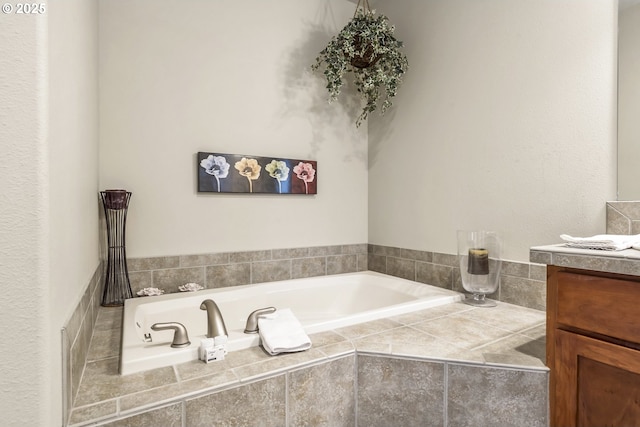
column 367, row 59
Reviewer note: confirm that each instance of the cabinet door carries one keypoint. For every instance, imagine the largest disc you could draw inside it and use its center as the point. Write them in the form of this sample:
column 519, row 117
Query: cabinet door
column 603, row 305
column 597, row 383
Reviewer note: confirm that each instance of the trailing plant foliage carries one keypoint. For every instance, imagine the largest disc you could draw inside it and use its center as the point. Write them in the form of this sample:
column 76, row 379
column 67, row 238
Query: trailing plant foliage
column 367, row 48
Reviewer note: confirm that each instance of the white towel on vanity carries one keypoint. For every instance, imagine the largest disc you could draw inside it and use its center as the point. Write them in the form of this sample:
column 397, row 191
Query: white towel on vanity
column 605, row 242
column 281, row 332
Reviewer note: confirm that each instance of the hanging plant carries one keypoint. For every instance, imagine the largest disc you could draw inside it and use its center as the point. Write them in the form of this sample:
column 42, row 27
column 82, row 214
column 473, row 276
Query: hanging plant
column 367, row 48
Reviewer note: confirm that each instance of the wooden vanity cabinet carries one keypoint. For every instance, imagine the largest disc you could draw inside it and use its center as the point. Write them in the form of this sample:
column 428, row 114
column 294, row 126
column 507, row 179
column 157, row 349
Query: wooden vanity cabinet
column 593, row 348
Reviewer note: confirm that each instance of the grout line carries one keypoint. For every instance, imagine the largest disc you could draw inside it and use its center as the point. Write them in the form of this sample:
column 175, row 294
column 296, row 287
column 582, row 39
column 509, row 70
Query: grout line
column 287, row 420
column 355, row 387
column 445, row 395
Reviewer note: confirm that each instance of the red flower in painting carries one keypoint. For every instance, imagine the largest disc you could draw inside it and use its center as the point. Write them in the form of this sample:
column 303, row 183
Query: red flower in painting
column 305, row 172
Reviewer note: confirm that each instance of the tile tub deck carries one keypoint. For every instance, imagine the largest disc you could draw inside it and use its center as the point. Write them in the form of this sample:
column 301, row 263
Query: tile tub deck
column 508, row 336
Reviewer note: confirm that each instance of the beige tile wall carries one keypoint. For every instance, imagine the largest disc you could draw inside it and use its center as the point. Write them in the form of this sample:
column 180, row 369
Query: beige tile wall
column 487, row 396
column 623, row 217
column 259, row 403
column 397, row 392
column 323, row 394
column 520, row 283
column 76, row 337
column 405, row 392
column 399, row 361
column 242, row 268
column 370, row 390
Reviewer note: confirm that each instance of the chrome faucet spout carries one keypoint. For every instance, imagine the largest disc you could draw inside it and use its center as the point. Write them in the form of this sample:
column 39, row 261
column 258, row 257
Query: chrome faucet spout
column 215, row 322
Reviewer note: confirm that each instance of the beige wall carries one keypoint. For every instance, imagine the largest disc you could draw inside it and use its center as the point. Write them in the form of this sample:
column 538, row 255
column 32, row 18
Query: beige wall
column 230, row 77
column 49, row 244
column 506, row 121
column 73, row 165
column 629, row 104
column 24, row 307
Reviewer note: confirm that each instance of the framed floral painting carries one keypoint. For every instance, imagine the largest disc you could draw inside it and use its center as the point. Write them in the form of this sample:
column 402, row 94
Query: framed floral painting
column 235, row 173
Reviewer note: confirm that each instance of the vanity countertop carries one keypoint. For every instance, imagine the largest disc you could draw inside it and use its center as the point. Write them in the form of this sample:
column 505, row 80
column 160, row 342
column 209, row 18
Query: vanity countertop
column 620, row 262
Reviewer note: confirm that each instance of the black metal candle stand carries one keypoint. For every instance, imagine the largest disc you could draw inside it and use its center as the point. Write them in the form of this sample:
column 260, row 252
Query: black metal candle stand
column 117, row 287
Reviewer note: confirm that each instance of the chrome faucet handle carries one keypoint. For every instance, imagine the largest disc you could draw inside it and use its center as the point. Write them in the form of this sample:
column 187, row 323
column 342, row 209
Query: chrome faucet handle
column 180, row 336
column 252, row 320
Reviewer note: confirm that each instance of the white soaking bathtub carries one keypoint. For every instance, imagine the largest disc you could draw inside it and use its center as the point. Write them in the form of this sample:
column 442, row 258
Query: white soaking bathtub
column 320, row 303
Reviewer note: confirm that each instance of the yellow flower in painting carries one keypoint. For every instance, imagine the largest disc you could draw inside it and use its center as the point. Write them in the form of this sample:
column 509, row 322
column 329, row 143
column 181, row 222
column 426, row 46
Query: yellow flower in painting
column 278, row 170
column 250, row 169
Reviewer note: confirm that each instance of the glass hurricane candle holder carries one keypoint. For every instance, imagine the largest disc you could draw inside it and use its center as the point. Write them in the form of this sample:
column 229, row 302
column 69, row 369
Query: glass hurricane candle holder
column 479, row 257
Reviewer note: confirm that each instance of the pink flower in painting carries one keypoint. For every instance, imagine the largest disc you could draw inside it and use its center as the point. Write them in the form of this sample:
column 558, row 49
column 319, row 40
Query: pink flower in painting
column 305, row 172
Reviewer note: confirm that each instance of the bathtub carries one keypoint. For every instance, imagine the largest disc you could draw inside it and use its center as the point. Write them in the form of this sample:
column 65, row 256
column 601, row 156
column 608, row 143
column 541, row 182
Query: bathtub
column 320, row 303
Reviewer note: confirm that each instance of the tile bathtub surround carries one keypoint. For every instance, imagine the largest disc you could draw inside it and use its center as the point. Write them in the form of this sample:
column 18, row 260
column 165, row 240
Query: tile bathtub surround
column 623, row 217
column 398, row 392
column 407, row 392
column 259, row 403
column 219, row 270
column 496, row 397
column 76, row 337
column 323, row 395
column 520, row 283
column 317, row 386
column 320, row 395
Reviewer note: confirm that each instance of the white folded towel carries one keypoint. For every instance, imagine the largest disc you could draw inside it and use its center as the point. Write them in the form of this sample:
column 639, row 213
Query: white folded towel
column 605, row 242
column 281, row 332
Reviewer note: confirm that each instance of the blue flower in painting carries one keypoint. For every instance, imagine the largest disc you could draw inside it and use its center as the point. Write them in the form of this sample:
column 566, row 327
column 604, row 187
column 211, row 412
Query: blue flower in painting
column 216, row 166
